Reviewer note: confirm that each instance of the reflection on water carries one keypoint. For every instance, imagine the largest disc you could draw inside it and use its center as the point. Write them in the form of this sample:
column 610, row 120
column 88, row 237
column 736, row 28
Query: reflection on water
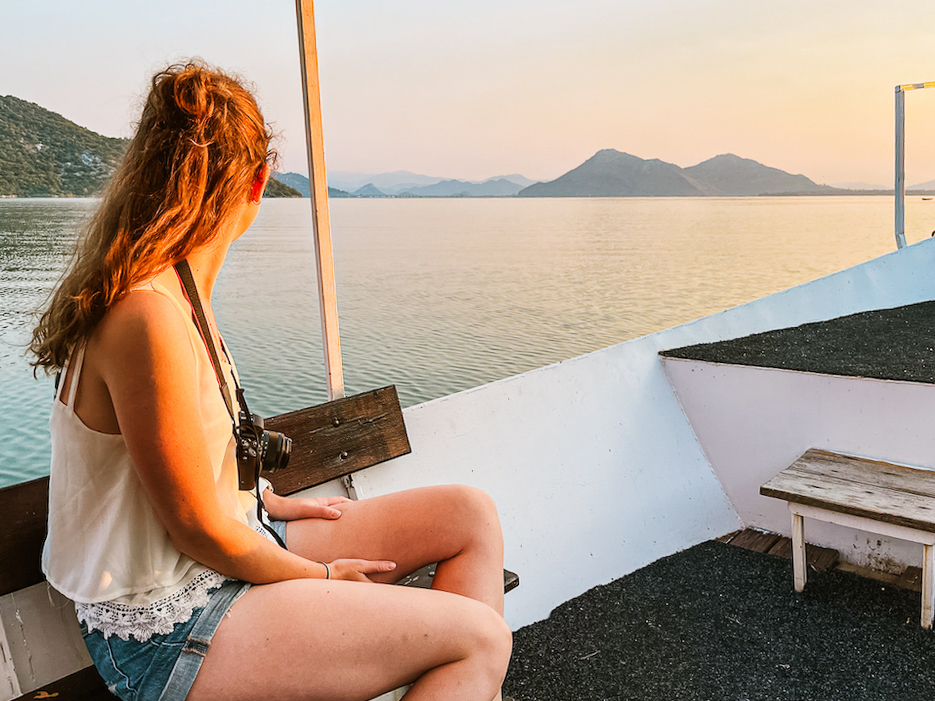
column 436, row 296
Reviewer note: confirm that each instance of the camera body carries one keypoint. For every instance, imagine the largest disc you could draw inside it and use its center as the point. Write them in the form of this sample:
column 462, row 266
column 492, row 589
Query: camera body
column 258, row 449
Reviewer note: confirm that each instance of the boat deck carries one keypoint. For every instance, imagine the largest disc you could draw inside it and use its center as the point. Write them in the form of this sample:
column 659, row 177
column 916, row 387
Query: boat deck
column 888, row 344
column 719, row 622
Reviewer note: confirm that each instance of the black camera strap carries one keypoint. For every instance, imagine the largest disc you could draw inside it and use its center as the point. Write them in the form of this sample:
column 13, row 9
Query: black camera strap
column 201, row 322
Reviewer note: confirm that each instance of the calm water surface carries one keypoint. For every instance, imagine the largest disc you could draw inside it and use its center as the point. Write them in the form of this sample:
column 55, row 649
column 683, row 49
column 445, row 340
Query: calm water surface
column 437, row 296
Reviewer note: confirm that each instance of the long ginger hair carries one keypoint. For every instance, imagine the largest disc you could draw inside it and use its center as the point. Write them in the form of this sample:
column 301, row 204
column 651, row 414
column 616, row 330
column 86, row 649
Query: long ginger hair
column 200, row 143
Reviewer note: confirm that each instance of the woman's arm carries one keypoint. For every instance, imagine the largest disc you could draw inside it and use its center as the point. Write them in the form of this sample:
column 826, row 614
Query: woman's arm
column 144, row 356
column 293, row 509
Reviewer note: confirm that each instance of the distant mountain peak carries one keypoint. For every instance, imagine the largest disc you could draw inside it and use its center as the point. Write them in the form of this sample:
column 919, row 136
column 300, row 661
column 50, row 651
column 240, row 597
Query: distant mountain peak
column 369, row 190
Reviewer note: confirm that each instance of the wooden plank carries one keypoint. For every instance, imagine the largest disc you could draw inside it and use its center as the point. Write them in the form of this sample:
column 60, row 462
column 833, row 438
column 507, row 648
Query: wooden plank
column 422, row 579
column 757, row 541
column 884, row 504
column 911, row 579
column 83, row 685
column 25, row 509
column 728, row 537
column 816, row 557
column 340, row 437
column 871, row 472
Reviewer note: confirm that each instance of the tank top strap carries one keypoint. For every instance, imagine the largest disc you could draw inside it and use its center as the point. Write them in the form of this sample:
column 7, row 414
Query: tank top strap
column 159, row 288
column 184, row 309
column 73, row 372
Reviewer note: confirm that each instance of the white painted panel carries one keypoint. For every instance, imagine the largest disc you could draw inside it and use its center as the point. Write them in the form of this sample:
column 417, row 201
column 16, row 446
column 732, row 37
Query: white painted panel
column 43, row 635
column 9, row 684
column 754, row 422
column 592, row 464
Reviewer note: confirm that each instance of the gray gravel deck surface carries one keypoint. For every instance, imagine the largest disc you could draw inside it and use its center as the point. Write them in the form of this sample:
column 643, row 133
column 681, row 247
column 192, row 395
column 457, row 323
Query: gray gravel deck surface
column 720, row 623
column 890, row 344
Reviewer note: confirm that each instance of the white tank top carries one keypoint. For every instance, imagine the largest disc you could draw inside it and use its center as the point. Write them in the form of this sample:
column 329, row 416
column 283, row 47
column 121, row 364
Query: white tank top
column 106, row 549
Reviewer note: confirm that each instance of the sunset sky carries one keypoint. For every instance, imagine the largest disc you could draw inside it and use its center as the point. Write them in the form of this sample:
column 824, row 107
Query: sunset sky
column 475, row 88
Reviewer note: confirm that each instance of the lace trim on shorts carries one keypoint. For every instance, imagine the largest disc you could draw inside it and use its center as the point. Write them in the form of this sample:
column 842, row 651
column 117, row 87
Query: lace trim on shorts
column 157, row 618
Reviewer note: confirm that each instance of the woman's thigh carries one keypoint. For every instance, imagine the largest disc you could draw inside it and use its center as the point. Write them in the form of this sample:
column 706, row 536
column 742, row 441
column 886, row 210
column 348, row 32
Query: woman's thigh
column 412, row 528
column 311, row 639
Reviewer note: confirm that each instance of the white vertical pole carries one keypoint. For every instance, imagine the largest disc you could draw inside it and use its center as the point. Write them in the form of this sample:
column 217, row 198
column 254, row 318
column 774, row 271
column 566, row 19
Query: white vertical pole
column 928, row 589
column 900, row 185
column 318, row 185
column 799, row 571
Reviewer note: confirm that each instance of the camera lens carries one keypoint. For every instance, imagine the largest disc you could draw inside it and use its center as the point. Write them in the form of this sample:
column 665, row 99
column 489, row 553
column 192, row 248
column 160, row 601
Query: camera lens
column 275, row 451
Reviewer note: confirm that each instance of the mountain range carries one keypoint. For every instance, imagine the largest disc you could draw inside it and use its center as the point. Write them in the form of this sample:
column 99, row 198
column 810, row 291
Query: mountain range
column 406, row 184
column 43, row 154
column 608, row 173
column 611, row 173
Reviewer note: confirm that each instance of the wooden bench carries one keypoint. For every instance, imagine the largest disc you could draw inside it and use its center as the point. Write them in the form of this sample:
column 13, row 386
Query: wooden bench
column 330, row 441
column 891, row 500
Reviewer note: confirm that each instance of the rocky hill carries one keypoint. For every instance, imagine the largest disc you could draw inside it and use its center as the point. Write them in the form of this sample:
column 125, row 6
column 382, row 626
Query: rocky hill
column 42, row 154
column 611, row 173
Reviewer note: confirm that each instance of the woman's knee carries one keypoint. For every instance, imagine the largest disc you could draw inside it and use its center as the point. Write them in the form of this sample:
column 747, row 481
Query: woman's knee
column 493, row 643
column 473, row 506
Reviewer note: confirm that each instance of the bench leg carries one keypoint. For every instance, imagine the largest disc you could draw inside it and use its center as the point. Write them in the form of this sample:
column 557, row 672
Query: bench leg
column 798, row 551
column 928, row 592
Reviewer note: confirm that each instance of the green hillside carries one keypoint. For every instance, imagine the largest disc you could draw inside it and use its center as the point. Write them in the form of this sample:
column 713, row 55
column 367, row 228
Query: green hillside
column 42, row 154
column 274, row 188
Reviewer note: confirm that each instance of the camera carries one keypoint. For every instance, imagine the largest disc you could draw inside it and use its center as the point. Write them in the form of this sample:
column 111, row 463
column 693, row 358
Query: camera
column 258, row 449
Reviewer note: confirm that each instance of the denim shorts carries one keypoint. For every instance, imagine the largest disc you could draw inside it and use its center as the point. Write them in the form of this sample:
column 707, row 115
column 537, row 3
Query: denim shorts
column 164, row 667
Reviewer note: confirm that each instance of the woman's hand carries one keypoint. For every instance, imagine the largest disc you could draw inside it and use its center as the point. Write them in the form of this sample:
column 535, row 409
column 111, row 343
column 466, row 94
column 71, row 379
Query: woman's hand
column 284, row 509
column 357, row 570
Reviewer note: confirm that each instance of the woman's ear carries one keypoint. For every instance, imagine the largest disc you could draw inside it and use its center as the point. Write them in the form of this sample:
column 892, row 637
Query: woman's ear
column 259, row 184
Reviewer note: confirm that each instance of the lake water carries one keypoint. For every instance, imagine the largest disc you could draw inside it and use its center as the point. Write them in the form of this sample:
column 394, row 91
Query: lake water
column 439, row 295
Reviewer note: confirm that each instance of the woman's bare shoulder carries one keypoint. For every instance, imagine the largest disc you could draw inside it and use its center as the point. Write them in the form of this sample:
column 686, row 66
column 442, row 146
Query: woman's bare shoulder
column 145, row 318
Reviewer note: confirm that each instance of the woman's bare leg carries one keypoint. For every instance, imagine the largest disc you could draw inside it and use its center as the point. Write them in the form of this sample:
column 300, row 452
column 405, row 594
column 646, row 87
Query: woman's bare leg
column 455, row 526
column 317, row 639
column 346, row 640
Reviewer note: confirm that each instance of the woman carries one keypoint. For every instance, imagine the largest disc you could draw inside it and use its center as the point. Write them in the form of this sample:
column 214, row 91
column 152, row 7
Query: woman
column 180, row 591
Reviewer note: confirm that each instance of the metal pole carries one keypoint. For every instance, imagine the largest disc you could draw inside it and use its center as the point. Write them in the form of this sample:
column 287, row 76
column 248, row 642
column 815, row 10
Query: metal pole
column 318, row 186
column 900, row 185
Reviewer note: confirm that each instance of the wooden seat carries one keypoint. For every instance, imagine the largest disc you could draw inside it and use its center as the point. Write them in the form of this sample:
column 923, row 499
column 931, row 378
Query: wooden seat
column 879, row 497
column 330, row 440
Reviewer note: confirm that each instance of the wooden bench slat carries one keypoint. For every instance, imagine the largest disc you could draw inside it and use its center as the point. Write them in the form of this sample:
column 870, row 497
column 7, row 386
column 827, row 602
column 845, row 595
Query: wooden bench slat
column 422, row 579
column 25, row 509
column 889, row 499
column 337, row 438
column 842, row 496
column 866, row 471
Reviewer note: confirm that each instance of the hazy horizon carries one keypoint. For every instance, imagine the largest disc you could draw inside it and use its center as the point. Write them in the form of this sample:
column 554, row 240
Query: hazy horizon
column 473, row 90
